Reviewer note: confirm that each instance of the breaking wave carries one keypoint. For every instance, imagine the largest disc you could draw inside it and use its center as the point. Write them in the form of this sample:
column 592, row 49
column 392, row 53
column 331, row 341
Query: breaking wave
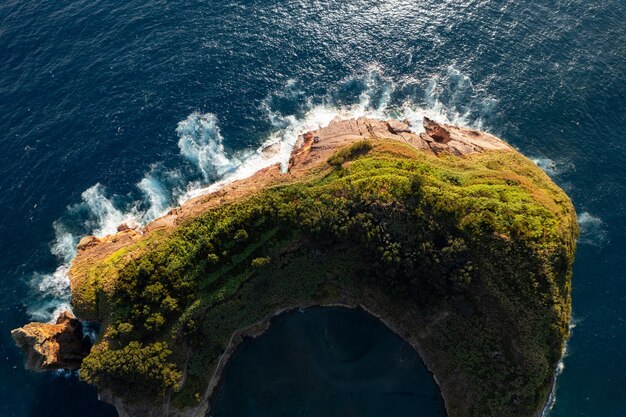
column 207, row 164
column 51, row 294
column 201, row 143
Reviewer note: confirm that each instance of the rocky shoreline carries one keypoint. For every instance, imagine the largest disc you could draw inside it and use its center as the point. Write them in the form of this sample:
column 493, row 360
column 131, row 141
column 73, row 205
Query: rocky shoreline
column 311, row 149
column 45, row 344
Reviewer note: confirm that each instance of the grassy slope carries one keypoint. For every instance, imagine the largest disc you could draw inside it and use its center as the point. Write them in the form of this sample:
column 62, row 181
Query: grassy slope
column 470, row 258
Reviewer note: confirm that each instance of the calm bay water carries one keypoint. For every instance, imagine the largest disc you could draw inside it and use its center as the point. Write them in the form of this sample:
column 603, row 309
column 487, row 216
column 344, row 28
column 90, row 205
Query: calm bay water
column 327, row 362
column 113, row 111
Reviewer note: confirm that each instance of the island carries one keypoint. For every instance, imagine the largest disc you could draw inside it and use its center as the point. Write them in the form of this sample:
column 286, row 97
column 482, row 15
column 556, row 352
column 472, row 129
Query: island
column 453, row 239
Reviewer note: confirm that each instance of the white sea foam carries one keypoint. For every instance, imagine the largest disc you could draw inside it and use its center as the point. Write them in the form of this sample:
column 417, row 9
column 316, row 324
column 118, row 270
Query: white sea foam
column 447, row 98
column 105, row 217
column 592, row 230
column 64, row 246
column 64, row 374
column 560, row 368
column 547, row 165
column 201, row 143
column 52, row 290
column 551, row 167
column 157, row 190
column 90, row 332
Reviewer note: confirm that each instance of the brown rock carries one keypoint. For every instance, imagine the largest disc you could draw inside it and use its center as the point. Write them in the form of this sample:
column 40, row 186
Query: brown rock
column 436, row 131
column 88, row 242
column 123, row 227
column 396, row 127
column 53, row 346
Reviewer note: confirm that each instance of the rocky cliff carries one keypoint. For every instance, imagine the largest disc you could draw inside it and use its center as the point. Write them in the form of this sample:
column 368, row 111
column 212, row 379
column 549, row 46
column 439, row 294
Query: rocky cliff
column 53, row 346
column 456, row 241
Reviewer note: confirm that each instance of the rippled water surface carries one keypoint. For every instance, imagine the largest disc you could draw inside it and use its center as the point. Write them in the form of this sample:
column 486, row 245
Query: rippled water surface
column 114, row 111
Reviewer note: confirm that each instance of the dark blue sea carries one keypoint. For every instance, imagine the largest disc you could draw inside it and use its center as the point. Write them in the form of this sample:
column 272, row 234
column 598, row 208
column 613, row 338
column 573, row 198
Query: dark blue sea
column 327, row 362
column 113, row 111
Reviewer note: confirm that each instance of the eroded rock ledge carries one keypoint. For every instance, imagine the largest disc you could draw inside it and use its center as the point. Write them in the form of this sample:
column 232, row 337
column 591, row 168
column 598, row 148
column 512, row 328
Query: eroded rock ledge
column 53, row 346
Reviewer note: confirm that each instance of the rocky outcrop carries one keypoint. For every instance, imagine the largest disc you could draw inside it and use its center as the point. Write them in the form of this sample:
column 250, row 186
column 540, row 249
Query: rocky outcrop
column 53, row 346
column 459, row 141
column 397, row 127
column 436, row 138
column 436, row 131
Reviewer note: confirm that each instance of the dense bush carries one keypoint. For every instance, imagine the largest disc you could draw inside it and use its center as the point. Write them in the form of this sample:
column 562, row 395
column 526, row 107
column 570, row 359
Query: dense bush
column 134, row 372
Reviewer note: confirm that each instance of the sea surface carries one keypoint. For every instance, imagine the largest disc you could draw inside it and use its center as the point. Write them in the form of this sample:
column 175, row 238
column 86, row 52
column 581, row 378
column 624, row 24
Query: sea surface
column 327, row 362
column 113, row 111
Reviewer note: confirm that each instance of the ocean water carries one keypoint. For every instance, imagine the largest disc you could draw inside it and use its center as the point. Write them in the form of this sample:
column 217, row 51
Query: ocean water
column 327, row 362
column 113, row 111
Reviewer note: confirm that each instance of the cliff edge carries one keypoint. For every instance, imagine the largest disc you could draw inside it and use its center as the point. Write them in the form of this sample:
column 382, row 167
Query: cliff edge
column 456, row 241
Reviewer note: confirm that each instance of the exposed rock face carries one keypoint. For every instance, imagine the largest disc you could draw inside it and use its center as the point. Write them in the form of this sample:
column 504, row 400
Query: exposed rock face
column 53, row 346
column 437, row 138
column 436, row 131
column 398, row 127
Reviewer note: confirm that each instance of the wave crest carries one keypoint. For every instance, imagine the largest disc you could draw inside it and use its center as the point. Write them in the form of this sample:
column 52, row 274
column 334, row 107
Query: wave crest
column 201, row 143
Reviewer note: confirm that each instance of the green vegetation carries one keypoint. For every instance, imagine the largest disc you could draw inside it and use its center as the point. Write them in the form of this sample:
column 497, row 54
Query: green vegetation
column 350, row 152
column 471, row 256
column 133, row 370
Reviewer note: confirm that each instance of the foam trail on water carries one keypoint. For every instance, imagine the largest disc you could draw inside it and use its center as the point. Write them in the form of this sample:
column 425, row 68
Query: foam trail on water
column 64, row 374
column 560, row 367
column 551, row 167
column 592, row 230
column 158, row 190
column 105, row 216
column 52, row 291
column 547, row 165
column 156, row 195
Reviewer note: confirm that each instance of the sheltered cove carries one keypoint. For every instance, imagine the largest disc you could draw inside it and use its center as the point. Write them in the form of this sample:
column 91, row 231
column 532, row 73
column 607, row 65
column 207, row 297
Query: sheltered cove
column 328, row 360
column 493, row 239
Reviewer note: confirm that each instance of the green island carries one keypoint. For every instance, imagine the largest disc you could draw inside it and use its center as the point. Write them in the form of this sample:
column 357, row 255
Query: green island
column 465, row 253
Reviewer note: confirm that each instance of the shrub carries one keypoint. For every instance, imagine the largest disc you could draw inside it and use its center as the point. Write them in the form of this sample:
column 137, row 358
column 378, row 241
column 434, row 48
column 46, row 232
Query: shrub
column 169, row 303
column 260, row 262
column 154, row 322
column 125, row 328
column 135, row 369
column 241, row 235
